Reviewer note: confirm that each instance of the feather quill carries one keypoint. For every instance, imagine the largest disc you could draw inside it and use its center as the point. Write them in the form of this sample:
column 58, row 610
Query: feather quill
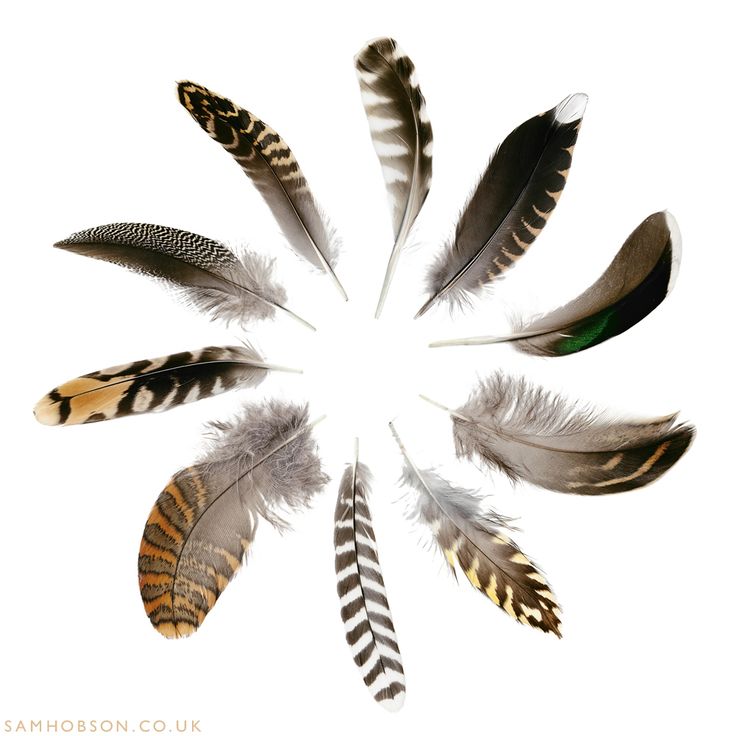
column 475, row 541
column 533, row 435
column 270, row 164
column 401, row 134
column 369, row 629
column 205, row 520
column 206, row 273
column 153, row 385
column 510, row 205
column 635, row 283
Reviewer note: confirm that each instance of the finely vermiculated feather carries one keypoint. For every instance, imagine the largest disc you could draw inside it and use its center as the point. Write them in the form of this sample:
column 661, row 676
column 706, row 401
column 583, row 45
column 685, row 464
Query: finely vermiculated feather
column 152, row 385
column 208, row 275
column 205, row 520
column 267, row 160
column 533, row 435
column 475, row 540
column 369, row 628
column 401, row 134
column 634, row 284
column 510, row 205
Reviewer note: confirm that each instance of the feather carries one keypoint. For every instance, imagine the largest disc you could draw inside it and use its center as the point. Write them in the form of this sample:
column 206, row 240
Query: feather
column 475, row 541
column 402, row 137
column 533, row 435
column 511, row 204
column 207, row 274
column 152, row 385
column 365, row 612
column 634, row 284
column 270, row 164
column 205, row 520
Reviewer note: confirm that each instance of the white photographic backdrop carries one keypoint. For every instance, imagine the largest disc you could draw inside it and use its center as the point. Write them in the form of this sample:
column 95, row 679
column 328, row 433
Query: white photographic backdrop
column 92, row 133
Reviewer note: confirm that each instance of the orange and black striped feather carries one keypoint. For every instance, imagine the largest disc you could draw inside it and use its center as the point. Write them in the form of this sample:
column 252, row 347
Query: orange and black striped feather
column 153, row 385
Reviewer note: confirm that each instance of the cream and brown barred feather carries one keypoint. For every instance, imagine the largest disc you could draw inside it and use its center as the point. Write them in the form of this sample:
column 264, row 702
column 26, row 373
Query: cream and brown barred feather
column 510, row 205
column 369, row 628
column 401, row 134
column 475, row 541
column 204, row 521
column 153, row 385
column 269, row 162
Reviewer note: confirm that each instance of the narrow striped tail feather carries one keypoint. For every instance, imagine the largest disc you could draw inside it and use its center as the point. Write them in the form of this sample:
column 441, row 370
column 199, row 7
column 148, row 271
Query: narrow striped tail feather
column 635, row 283
column 272, row 167
column 534, row 435
column 475, row 540
column 401, row 134
column 369, row 628
column 206, row 274
column 205, row 520
column 511, row 204
column 153, row 385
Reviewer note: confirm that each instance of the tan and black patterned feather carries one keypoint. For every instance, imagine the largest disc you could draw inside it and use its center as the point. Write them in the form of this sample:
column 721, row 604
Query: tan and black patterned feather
column 635, row 283
column 510, row 205
column 208, row 275
column 475, row 541
column 269, row 162
column 401, row 134
column 152, row 385
column 205, row 520
column 364, row 608
column 533, row 435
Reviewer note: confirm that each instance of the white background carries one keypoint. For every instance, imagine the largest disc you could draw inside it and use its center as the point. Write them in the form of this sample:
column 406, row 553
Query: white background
column 91, row 133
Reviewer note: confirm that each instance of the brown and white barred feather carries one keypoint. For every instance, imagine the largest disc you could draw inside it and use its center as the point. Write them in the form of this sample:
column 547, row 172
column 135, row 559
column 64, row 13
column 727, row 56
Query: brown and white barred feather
column 475, row 541
column 153, row 385
column 401, row 134
column 510, row 205
column 268, row 161
column 205, row 273
column 369, row 629
column 533, row 435
column 205, row 520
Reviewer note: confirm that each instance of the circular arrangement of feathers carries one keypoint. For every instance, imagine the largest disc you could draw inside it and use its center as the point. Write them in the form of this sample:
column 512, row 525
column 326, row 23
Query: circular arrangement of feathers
column 264, row 462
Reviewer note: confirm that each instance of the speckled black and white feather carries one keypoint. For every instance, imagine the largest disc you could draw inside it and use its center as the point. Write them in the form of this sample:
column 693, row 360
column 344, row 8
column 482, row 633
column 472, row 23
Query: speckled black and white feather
column 364, row 608
column 206, row 273
column 534, row 435
column 402, row 136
